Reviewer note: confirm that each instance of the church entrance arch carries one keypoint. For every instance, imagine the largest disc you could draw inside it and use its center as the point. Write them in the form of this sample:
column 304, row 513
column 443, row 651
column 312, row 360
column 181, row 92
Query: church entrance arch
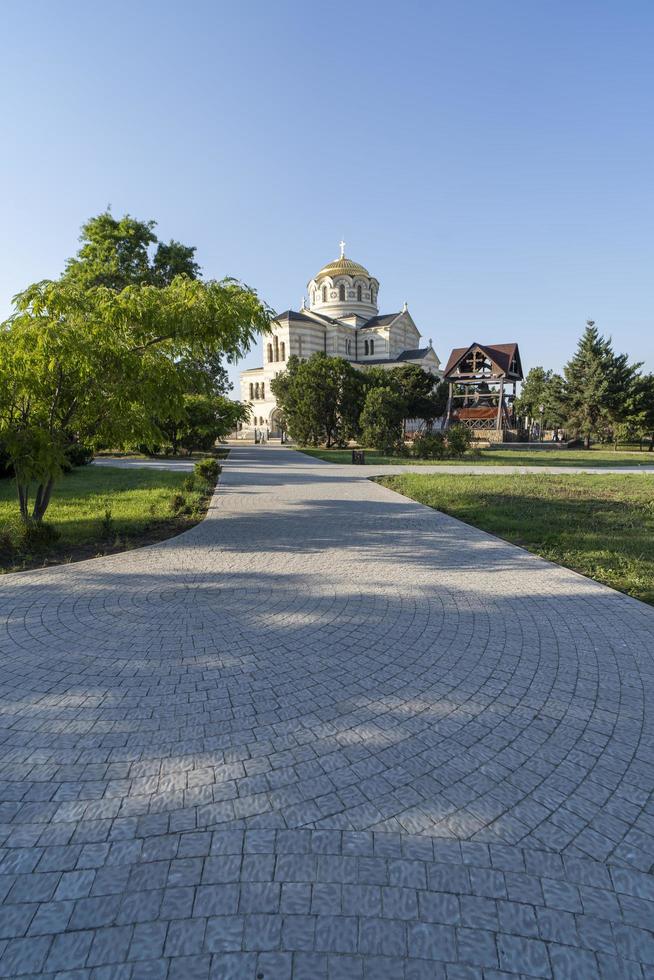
column 276, row 426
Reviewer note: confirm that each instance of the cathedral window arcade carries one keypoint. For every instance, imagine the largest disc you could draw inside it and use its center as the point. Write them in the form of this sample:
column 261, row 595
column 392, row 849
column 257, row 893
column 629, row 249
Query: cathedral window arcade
column 276, row 350
column 324, row 294
column 341, row 293
column 359, row 292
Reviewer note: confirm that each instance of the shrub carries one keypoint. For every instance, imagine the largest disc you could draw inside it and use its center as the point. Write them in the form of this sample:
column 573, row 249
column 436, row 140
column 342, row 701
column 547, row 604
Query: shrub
column 458, row 440
column 28, row 537
column 207, row 472
column 382, row 420
column 189, row 484
column 179, row 503
column 430, row 445
column 107, row 526
column 7, row 545
column 78, row 454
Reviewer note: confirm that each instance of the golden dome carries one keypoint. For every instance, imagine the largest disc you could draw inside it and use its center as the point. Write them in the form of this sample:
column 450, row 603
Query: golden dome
column 343, row 267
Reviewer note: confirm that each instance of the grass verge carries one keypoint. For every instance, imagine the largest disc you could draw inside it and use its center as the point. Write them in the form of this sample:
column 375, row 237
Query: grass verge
column 601, row 526
column 498, row 457
column 101, row 510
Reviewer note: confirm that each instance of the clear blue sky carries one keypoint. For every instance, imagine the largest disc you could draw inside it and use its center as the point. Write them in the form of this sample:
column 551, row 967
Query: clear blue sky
column 489, row 162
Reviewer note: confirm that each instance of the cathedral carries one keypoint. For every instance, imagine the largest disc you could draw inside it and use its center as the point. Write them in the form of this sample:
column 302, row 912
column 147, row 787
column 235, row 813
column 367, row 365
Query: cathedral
column 343, row 320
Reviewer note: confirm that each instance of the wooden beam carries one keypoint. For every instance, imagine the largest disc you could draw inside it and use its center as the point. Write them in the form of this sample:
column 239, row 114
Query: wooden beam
column 500, row 405
column 449, row 405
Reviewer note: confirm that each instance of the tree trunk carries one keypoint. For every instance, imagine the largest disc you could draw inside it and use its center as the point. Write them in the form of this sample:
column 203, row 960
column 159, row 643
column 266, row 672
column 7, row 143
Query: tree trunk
column 587, row 441
column 23, row 499
column 43, row 494
column 651, row 443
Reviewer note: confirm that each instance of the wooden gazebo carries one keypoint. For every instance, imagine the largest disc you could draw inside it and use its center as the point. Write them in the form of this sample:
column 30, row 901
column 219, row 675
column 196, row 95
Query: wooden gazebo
column 482, row 382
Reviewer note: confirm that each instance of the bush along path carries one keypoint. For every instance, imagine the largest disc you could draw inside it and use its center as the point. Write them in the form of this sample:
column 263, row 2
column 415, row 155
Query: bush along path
column 104, row 510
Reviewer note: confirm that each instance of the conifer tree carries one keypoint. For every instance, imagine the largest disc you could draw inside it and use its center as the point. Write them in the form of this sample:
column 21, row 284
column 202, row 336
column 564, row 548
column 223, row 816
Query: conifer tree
column 597, row 386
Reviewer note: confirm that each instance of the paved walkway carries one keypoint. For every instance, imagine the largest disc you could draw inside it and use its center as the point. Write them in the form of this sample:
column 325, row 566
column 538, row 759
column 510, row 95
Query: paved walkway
column 327, row 733
column 393, row 469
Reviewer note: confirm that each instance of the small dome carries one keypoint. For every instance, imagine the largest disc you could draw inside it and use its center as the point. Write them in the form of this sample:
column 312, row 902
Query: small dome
column 343, row 267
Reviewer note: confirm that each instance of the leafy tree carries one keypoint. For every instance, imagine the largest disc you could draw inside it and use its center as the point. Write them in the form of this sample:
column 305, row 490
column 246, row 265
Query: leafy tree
column 100, row 365
column 115, row 252
column 173, row 259
column 597, row 386
column 204, row 419
column 382, row 419
column 424, row 395
column 320, row 399
column 541, row 388
column 434, row 405
column 414, row 385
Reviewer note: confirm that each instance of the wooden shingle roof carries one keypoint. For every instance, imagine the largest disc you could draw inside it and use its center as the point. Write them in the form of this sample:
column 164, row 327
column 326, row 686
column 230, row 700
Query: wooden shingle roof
column 500, row 354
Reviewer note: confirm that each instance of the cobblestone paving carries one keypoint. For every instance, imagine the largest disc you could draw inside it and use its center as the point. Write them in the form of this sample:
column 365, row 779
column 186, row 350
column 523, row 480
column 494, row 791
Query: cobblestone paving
column 326, row 734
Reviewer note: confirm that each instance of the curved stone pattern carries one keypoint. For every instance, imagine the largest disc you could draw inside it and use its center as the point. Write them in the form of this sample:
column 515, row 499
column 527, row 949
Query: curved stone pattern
column 327, row 733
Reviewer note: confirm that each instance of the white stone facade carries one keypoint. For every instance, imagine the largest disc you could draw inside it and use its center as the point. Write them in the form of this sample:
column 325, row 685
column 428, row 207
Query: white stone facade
column 342, row 320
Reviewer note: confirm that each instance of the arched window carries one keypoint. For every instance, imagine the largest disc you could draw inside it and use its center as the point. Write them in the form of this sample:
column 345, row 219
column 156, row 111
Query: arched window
column 366, row 347
column 341, row 292
column 251, row 391
column 372, row 295
column 372, row 346
column 324, row 294
column 283, row 351
column 270, row 354
column 276, row 343
column 263, row 395
column 359, row 293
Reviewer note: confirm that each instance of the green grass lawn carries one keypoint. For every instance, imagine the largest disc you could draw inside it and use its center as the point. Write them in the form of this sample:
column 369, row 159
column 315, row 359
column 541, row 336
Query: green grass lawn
column 602, row 526
column 139, row 501
column 500, row 457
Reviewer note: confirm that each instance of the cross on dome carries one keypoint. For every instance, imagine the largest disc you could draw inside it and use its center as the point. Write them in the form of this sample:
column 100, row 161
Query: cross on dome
column 342, row 248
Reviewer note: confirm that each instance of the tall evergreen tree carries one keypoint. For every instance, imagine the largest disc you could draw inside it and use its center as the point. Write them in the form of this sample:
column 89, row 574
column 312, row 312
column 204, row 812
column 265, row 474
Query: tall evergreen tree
column 641, row 418
column 597, row 386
